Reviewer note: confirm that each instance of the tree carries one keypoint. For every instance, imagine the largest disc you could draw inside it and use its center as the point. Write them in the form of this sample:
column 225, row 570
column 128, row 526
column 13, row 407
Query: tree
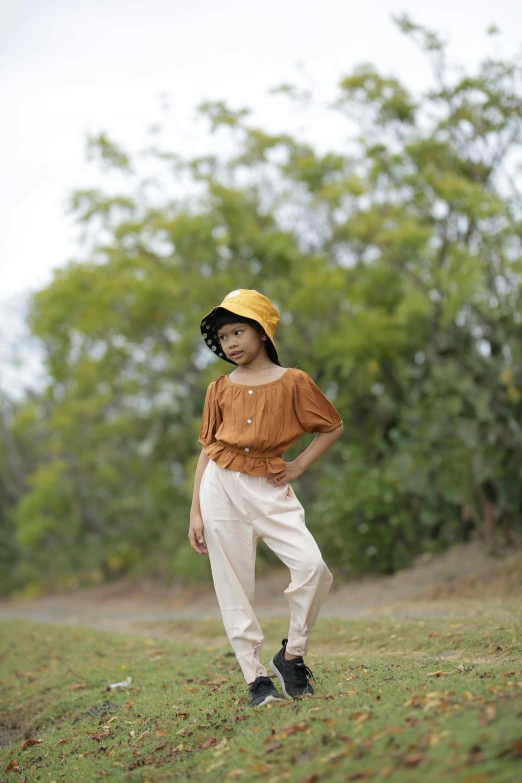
column 396, row 268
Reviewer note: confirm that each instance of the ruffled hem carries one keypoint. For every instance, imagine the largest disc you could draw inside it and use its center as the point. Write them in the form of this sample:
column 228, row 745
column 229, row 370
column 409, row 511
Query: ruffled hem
column 256, row 466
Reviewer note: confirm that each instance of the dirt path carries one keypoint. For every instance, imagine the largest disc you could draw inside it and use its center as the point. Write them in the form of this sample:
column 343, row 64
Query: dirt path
column 119, row 606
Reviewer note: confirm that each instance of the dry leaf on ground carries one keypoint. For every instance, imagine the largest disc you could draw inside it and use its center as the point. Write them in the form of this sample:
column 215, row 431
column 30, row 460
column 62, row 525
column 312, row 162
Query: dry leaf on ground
column 30, row 742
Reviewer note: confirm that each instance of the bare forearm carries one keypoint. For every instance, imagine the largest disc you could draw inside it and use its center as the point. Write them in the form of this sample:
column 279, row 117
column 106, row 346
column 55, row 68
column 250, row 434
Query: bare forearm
column 317, row 448
column 200, row 468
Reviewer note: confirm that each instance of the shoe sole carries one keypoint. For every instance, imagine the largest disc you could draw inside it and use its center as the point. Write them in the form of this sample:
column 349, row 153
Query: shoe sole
column 268, row 700
column 281, row 680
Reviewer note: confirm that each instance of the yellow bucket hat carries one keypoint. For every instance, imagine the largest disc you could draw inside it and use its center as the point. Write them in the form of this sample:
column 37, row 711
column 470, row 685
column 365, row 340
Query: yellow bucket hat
column 250, row 304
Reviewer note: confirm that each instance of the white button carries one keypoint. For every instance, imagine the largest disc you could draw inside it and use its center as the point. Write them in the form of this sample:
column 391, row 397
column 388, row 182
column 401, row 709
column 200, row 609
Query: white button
column 247, row 449
column 250, row 391
column 249, row 421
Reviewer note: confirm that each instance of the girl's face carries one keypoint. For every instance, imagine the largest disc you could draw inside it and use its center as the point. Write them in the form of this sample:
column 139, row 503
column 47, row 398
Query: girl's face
column 240, row 342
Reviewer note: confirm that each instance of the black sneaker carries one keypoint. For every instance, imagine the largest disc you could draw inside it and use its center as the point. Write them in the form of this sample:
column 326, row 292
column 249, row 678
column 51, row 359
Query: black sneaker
column 262, row 691
column 293, row 675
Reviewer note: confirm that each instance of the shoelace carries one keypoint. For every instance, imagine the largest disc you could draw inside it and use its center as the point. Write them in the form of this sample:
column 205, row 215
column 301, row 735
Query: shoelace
column 298, row 662
column 307, row 672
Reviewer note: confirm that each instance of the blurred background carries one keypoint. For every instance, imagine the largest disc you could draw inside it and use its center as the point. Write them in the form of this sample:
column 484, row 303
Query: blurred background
column 361, row 166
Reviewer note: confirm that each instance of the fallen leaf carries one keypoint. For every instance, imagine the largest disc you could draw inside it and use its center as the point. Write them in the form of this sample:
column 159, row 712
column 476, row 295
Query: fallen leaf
column 360, row 717
column 434, row 633
column 491, row 712
column 208, row 743
column 215, row 765
column 100, row 736
column 293, row 728
column 13, row 764
column 77, row 686
column 487, row 715
column 336, row 755
column 221, row 747
column 391, row 730
column 413, row 760
column 29, row 742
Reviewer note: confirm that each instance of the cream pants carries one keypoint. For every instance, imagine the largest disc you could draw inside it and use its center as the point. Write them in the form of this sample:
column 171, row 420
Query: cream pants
column 237, row 509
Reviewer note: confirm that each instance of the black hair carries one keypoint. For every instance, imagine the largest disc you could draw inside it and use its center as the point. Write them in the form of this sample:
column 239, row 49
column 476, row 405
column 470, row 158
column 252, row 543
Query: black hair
column 224, row 317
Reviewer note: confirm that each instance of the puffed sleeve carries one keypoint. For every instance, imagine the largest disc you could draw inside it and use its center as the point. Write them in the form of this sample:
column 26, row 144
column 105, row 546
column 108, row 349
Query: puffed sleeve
column 211, row 418
column 314, row 410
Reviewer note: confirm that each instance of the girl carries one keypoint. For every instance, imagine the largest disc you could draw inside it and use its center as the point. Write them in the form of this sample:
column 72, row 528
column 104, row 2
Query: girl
column 242, row 488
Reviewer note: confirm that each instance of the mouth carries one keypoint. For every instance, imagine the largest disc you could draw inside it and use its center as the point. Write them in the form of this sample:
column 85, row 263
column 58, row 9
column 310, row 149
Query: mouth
column 236, row 355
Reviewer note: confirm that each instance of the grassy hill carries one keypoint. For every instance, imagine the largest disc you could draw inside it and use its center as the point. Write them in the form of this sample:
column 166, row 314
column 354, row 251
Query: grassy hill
column 397, row 699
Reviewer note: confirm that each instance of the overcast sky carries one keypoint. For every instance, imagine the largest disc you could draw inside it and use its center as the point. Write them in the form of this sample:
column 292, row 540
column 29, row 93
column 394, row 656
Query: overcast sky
column 68, row 67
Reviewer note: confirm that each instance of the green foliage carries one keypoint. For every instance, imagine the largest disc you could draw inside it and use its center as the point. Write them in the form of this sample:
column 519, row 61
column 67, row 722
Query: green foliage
column 396, row 269
column 386, row 98
column 220, row 114
column 101, row 148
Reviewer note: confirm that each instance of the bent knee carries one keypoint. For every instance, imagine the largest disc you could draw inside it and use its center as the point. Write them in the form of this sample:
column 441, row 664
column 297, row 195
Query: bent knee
column 327, row 574
column 317, row 568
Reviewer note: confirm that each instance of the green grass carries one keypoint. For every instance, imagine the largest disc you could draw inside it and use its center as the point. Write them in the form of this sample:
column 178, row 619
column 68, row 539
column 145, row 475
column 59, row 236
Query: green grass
column 396, row 699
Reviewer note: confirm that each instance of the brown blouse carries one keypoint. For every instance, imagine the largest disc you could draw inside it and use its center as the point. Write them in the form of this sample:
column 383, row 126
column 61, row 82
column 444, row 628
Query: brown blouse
column 248, row 428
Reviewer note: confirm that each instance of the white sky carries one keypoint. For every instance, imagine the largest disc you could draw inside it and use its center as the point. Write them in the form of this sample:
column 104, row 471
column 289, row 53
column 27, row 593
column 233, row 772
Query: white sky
column 68, row 67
